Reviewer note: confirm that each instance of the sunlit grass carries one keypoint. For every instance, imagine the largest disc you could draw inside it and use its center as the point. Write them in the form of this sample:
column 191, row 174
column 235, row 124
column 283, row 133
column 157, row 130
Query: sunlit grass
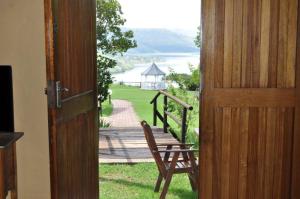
column 137, row 182
column 107, row 109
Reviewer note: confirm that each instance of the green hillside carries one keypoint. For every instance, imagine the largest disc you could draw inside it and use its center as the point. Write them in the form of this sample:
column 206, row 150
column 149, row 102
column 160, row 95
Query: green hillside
column 162, row 41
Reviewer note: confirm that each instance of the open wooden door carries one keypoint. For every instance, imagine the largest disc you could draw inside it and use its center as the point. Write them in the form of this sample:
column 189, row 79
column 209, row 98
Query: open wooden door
column 249, row 135
column 71, row 74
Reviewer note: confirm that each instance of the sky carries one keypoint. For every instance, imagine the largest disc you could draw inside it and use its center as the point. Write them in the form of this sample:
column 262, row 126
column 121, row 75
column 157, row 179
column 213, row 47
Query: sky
column 170, row 14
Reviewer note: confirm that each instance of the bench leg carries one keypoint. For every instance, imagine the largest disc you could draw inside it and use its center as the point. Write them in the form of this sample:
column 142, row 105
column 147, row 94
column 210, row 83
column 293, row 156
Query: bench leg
column 158, row 183
column 192, row 182
column 169, row 176
column 166, row 186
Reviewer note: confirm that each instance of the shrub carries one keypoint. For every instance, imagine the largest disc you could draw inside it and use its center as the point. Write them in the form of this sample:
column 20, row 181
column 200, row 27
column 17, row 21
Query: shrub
column 185, row 81
column 104, row 124
column 192, row 117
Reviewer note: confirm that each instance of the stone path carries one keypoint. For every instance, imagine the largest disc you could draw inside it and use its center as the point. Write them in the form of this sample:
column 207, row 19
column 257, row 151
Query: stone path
column 123, row 115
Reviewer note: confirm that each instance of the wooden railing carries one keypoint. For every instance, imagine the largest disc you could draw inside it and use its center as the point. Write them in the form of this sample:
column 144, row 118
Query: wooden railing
column 182, row 122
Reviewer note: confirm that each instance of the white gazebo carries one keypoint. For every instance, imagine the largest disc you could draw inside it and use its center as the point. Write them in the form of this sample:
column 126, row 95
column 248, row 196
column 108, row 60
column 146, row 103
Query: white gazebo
column 153, row 78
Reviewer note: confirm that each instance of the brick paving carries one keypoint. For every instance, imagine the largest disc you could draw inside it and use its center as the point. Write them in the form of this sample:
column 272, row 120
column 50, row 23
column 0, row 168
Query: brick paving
column 123, row 115
column 124, row 141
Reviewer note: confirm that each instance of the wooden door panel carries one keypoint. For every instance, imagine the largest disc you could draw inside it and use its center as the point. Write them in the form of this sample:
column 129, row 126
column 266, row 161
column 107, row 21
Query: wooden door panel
column 255, row 45
column 77, row 159
column 76, row 44
column 71, row 59
column 249, row 100
column 253, row 149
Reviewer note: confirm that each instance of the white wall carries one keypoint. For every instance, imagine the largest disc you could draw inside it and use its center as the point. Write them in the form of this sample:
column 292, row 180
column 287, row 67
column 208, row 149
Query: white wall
column 22, row 46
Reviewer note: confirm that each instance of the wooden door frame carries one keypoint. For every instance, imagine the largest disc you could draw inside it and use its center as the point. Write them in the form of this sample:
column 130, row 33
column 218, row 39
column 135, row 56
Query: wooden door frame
column 49, row 48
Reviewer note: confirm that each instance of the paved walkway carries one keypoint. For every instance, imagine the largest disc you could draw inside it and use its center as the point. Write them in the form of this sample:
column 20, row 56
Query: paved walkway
column 123, row 115
column 124, row 141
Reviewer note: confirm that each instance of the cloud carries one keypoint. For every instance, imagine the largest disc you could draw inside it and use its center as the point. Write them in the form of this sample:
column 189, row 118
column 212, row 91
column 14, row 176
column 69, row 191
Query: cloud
column 172, row 14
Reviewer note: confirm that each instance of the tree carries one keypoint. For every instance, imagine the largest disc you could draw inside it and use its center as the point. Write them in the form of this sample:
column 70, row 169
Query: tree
column 104, row 76
column 198, row 39
column 111, row 40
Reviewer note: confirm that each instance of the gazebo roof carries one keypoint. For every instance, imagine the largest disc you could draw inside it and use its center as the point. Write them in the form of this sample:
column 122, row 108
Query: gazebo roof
column 153, row 70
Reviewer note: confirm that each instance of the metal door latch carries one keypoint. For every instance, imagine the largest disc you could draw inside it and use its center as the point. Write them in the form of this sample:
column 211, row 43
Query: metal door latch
column 54, row 93
column 59, row 91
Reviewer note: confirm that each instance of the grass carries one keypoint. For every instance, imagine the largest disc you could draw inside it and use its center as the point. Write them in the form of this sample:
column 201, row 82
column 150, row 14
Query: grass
column 107, row 109
column 137, row 182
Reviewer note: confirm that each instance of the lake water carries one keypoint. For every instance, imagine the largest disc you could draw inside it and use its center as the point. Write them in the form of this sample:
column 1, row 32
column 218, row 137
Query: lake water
column 178, row 62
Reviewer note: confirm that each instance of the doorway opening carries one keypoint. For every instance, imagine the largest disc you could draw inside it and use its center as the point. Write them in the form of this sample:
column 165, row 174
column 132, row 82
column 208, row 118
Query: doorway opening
column 155, row 79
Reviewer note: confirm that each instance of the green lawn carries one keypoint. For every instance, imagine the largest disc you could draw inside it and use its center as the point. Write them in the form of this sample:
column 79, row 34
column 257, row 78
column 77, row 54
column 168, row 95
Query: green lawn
column 137, row 182
column 107, row 109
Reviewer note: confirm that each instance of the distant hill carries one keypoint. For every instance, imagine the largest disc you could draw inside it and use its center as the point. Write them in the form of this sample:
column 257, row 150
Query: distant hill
column 162, row 41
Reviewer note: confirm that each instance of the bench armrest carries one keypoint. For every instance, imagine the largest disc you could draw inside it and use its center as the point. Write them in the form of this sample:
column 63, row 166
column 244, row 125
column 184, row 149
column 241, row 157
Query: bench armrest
column 173, row 144
column 176, row 150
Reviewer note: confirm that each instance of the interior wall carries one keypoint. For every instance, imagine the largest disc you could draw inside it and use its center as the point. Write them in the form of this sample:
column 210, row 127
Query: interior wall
column 22, row 45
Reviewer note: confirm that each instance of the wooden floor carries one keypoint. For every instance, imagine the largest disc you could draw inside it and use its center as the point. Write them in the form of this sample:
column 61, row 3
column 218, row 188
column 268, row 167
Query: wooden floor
column 128, row 145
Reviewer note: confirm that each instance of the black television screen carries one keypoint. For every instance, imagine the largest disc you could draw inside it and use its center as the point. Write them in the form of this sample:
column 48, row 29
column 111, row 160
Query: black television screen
column 6, row 100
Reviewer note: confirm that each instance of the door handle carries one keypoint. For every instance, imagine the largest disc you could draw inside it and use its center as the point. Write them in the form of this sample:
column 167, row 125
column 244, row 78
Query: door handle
column 59, row 91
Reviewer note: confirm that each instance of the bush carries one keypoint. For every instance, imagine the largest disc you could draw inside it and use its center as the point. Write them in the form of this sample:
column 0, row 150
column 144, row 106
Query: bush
column 104, row 124
column 185, row 81
column 192, row 117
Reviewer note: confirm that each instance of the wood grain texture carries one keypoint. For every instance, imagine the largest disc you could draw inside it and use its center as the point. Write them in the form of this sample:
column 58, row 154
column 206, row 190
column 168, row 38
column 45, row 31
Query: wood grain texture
column 226, row 153
column 296, row 146
column 209, row 14
column 250, row 101
column 243, row 153
column 219, row 44
column 291, row 44
column 234, row 158
column 273, row 49
column 77, row 160
column 265, row 42
column 217, row 145
column 237, row 43
column 228, row 43
column 73, row 134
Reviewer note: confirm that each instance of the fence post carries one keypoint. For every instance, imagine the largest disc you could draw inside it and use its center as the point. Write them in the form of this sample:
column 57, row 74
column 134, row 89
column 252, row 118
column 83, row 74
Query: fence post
column 165, row 114
column 184, row 126
column 154, row 112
